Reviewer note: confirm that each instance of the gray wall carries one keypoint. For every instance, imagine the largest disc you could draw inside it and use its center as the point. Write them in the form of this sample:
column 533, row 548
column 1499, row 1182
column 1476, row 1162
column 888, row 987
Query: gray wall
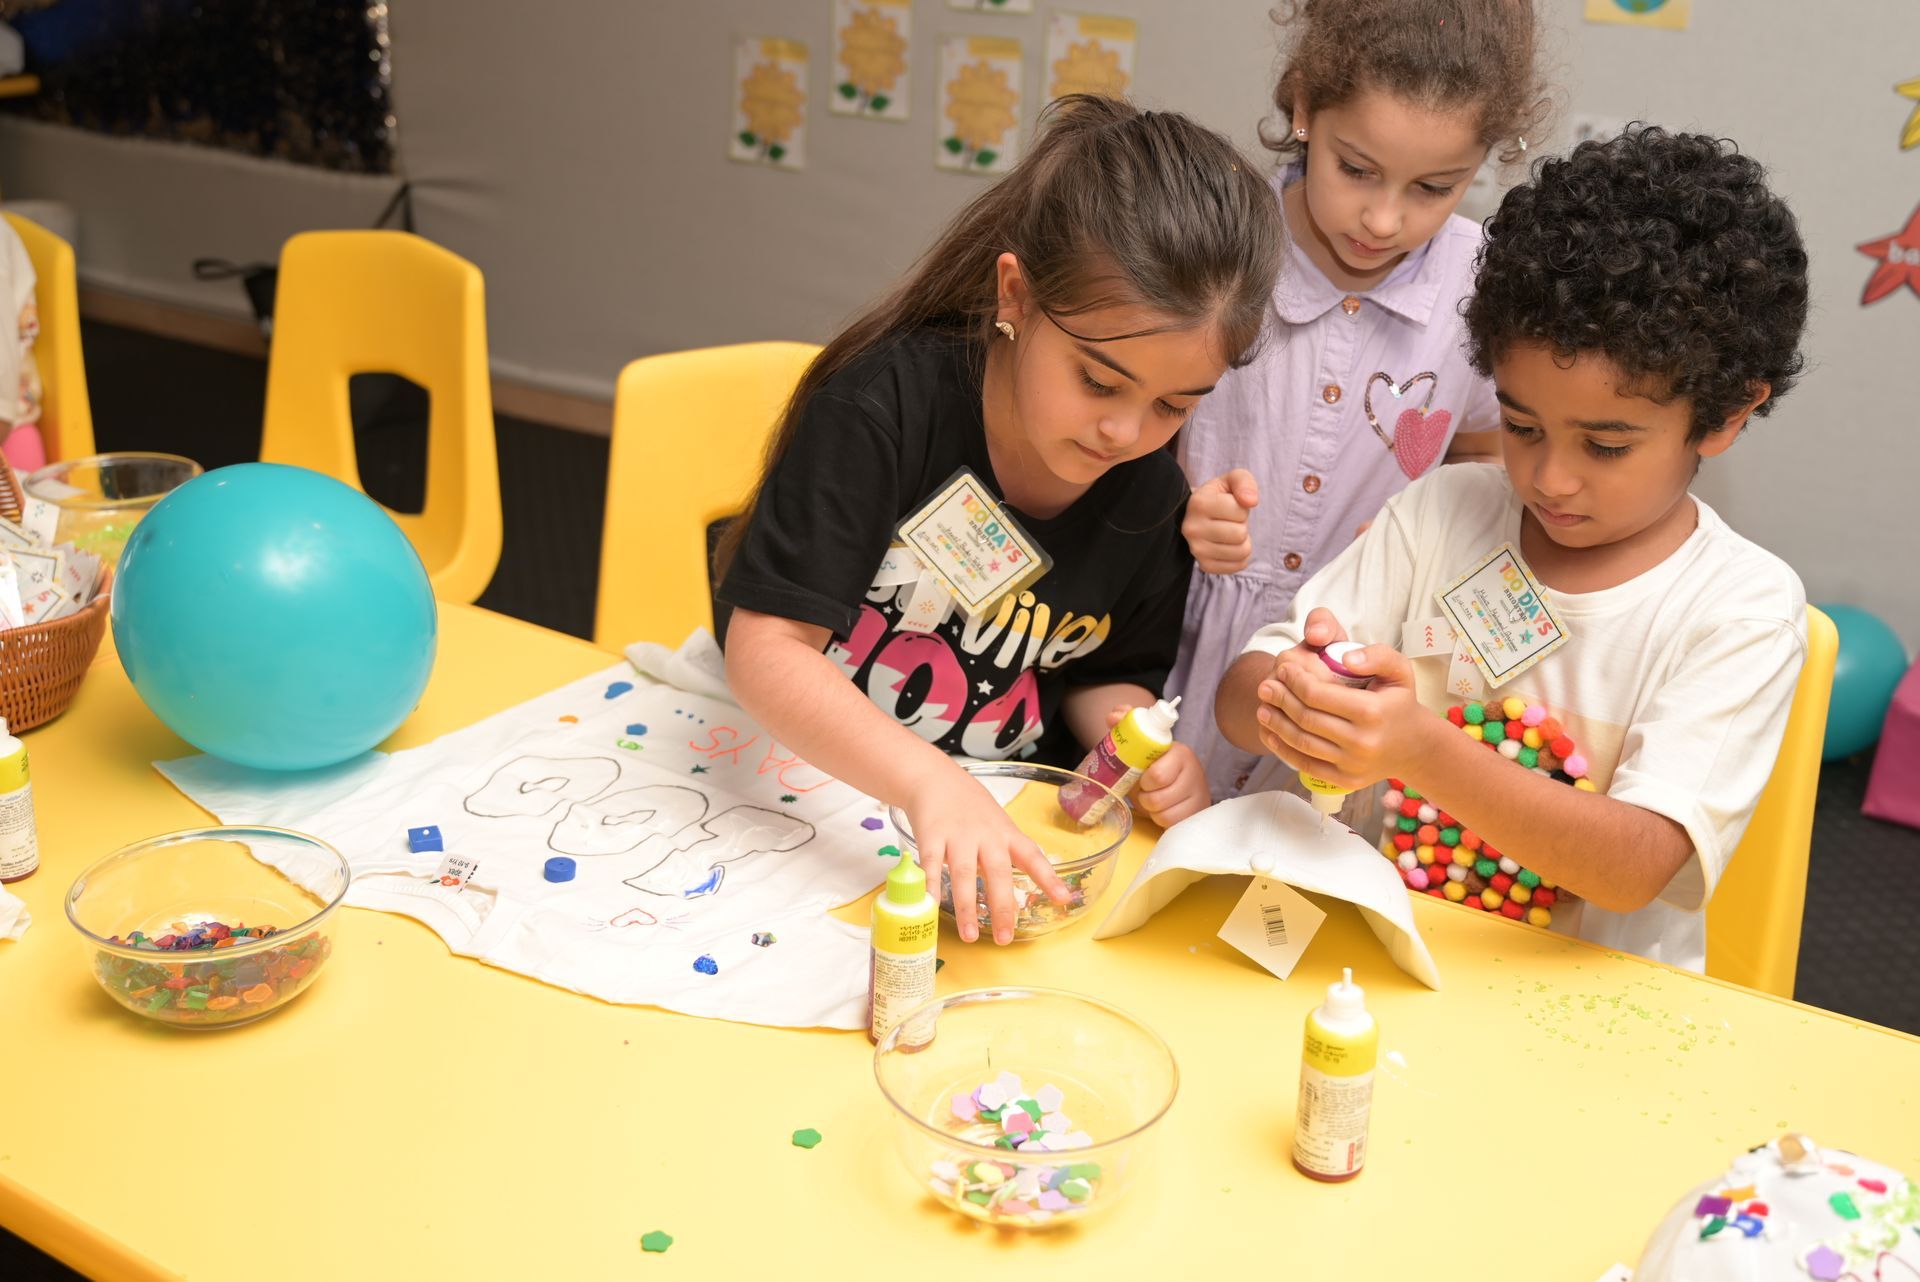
column 579, row 160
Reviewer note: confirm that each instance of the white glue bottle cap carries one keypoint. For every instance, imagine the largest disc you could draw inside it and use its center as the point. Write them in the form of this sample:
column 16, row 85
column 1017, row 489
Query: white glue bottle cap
column 1346, row 1003
column 1157, row 721
column 1334, row 656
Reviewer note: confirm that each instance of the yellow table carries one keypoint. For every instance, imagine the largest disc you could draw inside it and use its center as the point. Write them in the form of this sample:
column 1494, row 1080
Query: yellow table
column 417, row 1115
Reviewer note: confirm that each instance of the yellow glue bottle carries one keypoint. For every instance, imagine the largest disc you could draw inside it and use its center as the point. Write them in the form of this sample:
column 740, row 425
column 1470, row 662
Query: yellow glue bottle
column 1136, row 741
column 19, row 840
column 901, row 964
column 1326, row 797
column 1336, row 1085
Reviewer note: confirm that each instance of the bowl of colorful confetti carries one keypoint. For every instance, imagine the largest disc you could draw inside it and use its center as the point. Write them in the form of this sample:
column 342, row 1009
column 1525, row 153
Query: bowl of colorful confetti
column 211, row 927
column 1030, row 1107
column 1082, row 854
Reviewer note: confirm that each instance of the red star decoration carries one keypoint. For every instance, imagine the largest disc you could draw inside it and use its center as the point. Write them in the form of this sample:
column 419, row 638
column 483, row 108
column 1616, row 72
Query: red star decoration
column 1899, row 256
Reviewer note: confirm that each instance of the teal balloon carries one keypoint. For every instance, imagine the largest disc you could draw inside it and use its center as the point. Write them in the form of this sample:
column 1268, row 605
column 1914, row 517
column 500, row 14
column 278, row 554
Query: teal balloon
column 274, row 617
column 1870, row 664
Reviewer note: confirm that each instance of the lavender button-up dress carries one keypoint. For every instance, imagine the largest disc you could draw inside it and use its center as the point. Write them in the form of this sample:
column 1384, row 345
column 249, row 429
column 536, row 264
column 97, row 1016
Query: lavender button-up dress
column 1352, row 396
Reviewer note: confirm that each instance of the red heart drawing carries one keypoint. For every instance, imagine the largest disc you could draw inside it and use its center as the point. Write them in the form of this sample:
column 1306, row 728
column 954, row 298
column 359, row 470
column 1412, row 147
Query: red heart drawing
column 1418, row 437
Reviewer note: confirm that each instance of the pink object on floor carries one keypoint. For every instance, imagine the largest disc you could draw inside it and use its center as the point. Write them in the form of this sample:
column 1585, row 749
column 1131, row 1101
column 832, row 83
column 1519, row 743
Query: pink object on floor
column 25, row 449
column 1893, row 791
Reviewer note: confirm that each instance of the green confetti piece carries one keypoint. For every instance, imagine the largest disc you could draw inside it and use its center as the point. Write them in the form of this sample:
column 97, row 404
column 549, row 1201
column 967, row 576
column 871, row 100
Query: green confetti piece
column 1714, row 1225
column 888, row 852
column 954, row 145
column 878, row 102
column 1005, row 1142
column 985, row 156
column 938, row 962
column 655, row 1241
column 775, row 152
column 194, row 1001
column 160, row 999
column 1076, row 1190
column 979, row 1197
column 1083, row 1171
column 806, row 1138
column 1842, row 1204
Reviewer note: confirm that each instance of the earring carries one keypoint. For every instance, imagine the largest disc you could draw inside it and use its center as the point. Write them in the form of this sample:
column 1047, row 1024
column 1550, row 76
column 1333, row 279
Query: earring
column 1301, row 134
column 1006, row 327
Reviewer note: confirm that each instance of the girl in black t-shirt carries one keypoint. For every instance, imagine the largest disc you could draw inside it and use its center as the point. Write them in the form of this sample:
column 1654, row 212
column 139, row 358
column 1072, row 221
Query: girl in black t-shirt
column 1051, row 343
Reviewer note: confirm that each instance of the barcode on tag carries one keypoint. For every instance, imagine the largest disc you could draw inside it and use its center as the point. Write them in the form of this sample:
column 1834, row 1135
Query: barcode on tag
column 1275, row 921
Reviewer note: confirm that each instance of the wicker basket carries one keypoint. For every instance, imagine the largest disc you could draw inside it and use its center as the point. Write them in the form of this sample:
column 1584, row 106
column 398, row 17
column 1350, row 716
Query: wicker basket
column 42, row 664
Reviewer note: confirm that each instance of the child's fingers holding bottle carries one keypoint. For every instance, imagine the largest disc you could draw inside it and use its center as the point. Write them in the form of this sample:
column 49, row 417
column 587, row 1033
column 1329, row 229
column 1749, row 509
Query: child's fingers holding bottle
column 1174, row 787
column 1215, row 527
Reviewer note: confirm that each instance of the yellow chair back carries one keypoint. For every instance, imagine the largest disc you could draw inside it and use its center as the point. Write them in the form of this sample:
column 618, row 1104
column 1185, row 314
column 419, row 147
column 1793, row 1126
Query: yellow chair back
column 1753, row 919
column 66, row 415
column 690, row 431
column 354, row 302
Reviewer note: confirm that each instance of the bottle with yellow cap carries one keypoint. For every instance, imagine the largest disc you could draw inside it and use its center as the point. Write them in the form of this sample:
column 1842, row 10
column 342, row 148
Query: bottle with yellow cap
column 906, row 929
column 1336, row 1085
column 19, row 840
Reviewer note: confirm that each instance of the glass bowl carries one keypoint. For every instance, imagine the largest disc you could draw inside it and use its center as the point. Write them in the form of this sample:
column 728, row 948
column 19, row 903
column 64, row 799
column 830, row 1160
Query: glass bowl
column 1083, row 856
column 102, row 497
column 167, row 920
column 1098, row 1076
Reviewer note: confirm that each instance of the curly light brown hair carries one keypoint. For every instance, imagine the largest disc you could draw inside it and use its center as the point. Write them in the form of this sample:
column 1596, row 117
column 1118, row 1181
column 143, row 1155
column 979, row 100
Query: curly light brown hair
column 1443, row 55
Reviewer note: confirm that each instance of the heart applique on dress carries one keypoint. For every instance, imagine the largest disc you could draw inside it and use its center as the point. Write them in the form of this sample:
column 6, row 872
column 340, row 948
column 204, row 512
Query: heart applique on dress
column 1419, row 431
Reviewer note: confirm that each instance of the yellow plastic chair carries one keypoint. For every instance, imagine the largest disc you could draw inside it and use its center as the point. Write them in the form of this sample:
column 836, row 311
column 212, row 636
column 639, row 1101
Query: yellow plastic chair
column 1753, row 919
column 66, row 415
column 356, row 302
column 690, row 430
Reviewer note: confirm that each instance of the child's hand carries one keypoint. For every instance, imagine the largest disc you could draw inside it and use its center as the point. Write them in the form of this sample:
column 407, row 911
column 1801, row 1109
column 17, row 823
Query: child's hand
column 1216, row 524
column 958, row 824
column 1173, row 787
column 1351, row 738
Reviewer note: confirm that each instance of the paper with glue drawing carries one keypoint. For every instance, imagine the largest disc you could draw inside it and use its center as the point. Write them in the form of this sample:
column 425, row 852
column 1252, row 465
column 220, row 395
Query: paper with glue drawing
column 1278, row 836
column 707, row 855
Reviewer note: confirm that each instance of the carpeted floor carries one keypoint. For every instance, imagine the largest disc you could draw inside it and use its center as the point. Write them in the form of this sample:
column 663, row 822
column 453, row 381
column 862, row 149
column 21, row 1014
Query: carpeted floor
column 1858, row 949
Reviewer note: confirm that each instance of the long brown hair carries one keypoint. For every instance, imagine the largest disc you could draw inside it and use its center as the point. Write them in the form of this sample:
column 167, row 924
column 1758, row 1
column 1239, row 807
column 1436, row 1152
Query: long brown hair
column 1443, row 55
column 1112, row 205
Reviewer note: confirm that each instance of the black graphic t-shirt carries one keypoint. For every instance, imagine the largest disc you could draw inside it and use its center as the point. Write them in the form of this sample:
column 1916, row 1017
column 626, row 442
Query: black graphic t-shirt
column 874, row 444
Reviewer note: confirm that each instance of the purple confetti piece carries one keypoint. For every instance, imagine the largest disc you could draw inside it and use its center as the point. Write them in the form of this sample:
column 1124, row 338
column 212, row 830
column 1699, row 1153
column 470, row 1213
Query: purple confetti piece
column 1824, row 1263
column 1054, row 1201
column 1713, row 1206
column 618, row 688
column 964, row 1108
column 871, row 824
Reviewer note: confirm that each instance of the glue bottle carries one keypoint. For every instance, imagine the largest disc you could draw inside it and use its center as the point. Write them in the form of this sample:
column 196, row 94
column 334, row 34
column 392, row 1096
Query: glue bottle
column 1136, row 741
column 901, row 964
column 1326, row 797
column 19, row 841
column 1336, row 1085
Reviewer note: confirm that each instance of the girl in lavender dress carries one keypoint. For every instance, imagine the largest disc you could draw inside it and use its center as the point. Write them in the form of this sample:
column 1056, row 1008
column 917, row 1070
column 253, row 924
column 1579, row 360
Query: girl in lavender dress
column 1389, row 108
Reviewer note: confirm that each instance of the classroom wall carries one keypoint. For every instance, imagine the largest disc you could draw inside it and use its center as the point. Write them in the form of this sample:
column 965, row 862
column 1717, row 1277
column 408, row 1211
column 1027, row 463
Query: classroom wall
column 578, row 157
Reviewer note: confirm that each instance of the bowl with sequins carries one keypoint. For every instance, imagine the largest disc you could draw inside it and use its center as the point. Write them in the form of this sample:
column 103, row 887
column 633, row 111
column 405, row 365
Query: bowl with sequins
column 210, row 927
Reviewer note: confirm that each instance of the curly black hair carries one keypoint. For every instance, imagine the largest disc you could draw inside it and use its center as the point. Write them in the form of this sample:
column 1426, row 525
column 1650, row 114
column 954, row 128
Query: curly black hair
column 1664, row 252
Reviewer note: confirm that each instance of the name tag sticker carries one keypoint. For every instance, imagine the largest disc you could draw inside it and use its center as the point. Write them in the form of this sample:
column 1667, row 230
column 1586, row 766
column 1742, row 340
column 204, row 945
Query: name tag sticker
column 1503, row 615
column 969, row 542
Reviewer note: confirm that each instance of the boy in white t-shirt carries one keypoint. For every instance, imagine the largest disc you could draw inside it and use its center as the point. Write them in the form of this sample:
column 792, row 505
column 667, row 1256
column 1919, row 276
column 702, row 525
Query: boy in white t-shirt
column 1637, row 302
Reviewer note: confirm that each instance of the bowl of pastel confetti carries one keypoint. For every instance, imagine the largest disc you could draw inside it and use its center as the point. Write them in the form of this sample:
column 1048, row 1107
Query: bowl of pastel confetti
column 1029, row 1108
column 1082, row 853
column 212, row 927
